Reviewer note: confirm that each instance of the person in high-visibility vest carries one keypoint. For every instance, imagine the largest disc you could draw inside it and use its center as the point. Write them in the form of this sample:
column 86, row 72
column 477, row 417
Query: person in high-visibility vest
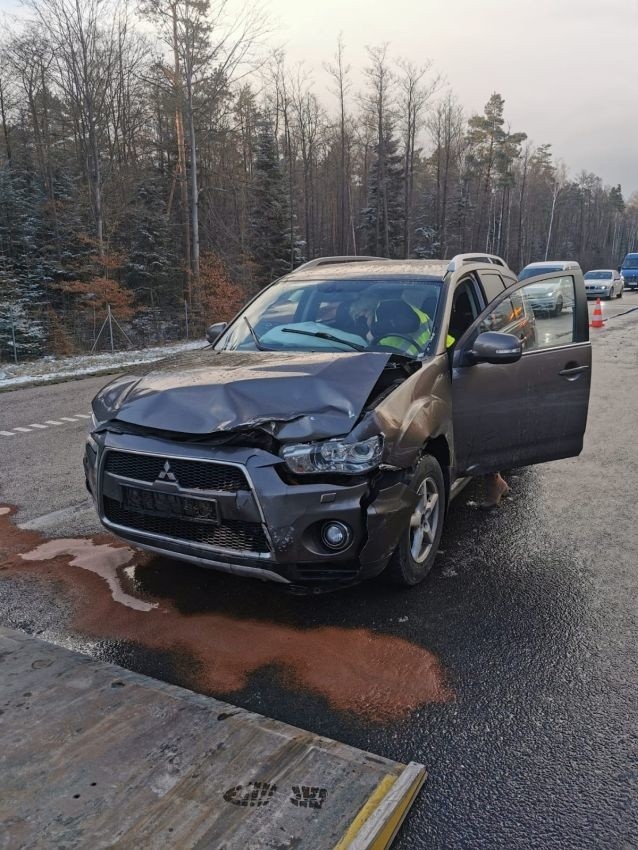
column 391, row 318
column 399, row 325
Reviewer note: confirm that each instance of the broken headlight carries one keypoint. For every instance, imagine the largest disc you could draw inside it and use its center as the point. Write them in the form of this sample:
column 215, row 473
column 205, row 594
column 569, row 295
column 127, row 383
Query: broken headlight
column 89, row 436
column 334, row 456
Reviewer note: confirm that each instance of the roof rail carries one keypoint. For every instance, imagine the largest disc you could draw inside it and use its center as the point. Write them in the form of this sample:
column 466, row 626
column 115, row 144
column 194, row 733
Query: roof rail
column 333, row 261
column 475, row 257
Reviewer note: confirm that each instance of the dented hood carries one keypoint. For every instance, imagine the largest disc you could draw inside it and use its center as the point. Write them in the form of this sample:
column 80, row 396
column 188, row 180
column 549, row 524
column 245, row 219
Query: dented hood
column 293, row 396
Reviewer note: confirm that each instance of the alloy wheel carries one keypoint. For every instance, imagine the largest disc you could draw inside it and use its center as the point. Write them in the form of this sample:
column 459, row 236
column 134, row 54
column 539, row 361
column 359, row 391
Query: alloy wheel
column 425, row 520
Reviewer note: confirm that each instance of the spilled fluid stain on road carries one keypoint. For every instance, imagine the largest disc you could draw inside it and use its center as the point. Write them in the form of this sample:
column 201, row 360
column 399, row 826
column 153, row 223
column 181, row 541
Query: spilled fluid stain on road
column 101, row 559
column 379, row 677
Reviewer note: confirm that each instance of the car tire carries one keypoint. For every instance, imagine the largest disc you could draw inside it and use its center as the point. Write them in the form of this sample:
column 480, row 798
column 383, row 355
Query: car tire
column 558, row 309
column 620, row 291
column 412, row 561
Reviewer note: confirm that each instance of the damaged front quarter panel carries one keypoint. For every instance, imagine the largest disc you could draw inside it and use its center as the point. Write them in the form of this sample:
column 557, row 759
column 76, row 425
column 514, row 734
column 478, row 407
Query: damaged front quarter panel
column 417, row 412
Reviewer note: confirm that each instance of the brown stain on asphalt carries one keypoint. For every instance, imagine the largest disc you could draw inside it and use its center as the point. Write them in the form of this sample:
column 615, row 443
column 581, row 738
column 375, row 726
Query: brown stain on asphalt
column 379, row 677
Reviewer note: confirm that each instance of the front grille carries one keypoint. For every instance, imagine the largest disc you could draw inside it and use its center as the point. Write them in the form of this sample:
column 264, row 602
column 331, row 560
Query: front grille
column 191, row 474
column 230, row 534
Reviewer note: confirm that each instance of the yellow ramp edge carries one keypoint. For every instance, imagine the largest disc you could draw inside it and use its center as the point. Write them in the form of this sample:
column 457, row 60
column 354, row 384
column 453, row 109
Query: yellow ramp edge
column 379, row 819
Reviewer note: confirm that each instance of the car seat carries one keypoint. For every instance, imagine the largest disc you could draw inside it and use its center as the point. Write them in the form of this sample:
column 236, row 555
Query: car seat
column 394, row 317
column 343, row 320
column 462, row 315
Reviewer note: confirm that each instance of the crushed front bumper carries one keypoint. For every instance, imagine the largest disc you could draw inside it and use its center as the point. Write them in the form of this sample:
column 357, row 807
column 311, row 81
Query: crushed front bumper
column 263, row 526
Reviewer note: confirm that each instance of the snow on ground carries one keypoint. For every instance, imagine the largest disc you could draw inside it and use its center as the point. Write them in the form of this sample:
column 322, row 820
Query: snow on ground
column 61, row 368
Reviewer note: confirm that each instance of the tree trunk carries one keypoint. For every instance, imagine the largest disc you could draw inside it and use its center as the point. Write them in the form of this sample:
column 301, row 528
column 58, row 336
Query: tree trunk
column 5, row 126
column 194, row 204
column 181, row 160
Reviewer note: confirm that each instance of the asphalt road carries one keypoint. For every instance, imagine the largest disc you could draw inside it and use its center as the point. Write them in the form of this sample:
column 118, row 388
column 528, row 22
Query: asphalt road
column 514, row 665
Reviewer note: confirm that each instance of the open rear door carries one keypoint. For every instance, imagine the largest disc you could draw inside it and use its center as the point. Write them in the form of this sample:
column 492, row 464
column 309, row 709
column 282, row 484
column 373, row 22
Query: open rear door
column 534, row 410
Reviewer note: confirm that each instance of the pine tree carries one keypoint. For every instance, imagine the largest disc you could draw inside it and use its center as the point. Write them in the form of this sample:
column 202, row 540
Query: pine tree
column 273, row 251
column 382, row 217
column 23, row 269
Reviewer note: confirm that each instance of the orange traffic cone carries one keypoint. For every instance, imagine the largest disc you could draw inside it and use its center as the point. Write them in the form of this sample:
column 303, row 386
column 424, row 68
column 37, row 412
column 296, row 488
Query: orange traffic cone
column 597, row 319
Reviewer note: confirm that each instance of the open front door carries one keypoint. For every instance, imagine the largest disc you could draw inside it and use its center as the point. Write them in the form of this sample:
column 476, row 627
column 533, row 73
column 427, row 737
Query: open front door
column 534, row 410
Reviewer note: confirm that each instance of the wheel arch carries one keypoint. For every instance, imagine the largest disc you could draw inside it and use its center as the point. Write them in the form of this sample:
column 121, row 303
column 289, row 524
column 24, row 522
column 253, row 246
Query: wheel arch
column 439, row 448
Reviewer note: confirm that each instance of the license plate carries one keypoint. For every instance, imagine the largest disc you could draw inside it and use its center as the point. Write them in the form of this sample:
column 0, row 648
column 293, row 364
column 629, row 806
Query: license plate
column 168, row 504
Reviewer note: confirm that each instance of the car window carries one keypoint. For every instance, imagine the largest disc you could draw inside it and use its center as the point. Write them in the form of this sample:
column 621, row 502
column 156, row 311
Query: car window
column 393, row 314
column 492, row 285
column 534, row 271
column 542, row 315
column 465, row 309
column 506, row 312
column 282, row 309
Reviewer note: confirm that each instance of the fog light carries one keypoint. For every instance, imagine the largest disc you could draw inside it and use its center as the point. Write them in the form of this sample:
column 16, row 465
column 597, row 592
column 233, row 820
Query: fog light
column 335, row 535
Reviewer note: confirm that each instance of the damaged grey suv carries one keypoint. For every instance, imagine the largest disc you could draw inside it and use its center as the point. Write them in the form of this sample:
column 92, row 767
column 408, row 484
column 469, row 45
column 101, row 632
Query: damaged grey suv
column 320, row 436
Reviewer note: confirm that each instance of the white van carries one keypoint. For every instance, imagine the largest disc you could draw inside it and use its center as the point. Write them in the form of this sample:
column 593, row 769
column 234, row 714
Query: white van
column 547, row 267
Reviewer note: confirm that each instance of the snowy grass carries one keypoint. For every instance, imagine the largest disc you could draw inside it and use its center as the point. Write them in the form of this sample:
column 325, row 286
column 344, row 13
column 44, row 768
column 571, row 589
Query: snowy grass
column 52, row 369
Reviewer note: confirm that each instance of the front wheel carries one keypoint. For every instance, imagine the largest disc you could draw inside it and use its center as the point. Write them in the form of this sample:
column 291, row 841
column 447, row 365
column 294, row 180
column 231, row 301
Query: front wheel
column 414, row 556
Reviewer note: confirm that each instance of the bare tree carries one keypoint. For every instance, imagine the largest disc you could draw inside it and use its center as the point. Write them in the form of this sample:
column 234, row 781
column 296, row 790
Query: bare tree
column 376, row 102
column 340, row 73
column 210, row 43
column 560, row 178
column 84, row 45
column 415, row 95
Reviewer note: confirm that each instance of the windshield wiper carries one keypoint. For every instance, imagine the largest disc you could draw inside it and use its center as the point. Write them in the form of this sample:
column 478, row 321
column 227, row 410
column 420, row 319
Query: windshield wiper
column 253, row 334
column 325, row 335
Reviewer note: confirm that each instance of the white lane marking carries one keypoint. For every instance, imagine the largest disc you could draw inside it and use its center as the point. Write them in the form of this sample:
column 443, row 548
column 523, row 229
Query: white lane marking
column 37, row 426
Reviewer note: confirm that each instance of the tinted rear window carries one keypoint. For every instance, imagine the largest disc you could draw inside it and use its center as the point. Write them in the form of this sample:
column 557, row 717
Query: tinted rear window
column 538, row 270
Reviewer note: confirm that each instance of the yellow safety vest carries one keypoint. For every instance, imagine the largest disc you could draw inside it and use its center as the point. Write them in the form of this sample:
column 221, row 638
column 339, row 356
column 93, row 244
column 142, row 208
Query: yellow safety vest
column 421, row 336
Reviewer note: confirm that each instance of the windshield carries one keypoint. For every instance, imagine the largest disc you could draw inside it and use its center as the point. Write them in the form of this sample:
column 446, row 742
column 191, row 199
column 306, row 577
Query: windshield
column 630, row 263
column 546, row 286
column 598, row 275
column 338, row 315
column 537, row 270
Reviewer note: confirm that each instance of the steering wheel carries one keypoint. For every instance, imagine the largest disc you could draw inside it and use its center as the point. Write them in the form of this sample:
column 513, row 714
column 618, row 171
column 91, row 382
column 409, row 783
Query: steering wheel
column 401, row 336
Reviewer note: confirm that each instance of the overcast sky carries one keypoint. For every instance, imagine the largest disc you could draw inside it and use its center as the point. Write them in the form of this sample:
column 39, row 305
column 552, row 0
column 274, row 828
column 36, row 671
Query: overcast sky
column 568, row 69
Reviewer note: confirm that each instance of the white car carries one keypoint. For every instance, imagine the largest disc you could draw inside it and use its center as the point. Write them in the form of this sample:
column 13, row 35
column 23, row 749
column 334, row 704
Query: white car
column 550, row 299
column 604, row 283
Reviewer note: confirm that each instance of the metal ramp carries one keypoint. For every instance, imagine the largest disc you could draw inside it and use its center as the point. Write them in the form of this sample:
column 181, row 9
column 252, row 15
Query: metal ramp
column 94, row 756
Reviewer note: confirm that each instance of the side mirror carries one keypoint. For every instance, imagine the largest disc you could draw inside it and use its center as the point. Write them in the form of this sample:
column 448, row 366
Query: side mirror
column 214, row 332
column 493, row 347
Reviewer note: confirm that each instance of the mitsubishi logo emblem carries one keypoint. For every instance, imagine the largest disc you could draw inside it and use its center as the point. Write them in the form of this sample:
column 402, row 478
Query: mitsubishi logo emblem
column 167, row 473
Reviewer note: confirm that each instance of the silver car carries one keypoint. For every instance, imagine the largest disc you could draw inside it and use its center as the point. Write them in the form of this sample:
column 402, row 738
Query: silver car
column 604, row 283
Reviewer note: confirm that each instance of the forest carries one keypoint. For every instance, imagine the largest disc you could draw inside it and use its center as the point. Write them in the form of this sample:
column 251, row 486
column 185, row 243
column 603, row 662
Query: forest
column 162, row 161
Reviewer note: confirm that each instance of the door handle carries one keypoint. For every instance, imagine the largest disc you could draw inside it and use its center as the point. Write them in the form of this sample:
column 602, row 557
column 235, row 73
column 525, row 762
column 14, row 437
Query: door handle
column 573, row 372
